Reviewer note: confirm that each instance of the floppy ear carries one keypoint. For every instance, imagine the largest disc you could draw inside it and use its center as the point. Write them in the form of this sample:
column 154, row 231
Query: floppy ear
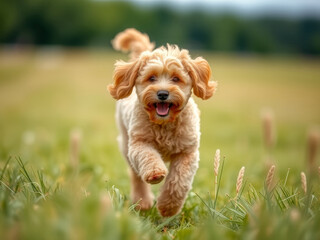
column 200, row 73
column 124, row 77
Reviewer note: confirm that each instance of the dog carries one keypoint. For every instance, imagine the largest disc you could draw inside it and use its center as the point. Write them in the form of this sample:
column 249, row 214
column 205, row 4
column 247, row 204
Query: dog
column 157, row 117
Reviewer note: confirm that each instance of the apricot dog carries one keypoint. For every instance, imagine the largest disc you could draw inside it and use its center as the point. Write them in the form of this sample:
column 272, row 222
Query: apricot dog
column 157, row 117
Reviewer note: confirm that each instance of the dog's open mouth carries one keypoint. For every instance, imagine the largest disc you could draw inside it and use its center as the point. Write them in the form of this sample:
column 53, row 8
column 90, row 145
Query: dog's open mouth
column 162, row 108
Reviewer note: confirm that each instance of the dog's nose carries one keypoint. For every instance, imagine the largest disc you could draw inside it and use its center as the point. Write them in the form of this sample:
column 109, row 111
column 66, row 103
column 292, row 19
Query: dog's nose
column 162, row 95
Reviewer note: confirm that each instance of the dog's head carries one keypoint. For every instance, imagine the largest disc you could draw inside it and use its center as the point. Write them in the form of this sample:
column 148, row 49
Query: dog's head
column 163, row 80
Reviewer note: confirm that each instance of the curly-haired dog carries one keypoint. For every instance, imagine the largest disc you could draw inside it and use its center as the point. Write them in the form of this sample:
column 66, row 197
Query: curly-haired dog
column 157, row 117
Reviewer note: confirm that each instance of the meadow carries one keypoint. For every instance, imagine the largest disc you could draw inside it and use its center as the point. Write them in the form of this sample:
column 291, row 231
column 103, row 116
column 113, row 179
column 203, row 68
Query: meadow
column 63, row 177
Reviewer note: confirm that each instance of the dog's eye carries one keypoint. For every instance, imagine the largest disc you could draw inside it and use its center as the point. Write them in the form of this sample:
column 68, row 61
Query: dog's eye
column 175, row 79
column 152, row 78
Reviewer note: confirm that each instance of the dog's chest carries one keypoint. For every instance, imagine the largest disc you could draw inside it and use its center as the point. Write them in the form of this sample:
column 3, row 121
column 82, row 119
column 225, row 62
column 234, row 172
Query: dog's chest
column 173, row 140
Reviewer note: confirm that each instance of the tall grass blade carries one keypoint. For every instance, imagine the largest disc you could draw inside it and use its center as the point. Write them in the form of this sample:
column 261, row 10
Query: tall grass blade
column 218, row 185
column 5, row 168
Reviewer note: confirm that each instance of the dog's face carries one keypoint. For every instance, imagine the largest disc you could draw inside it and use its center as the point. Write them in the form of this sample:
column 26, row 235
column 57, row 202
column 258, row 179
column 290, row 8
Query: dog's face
column 163, row 80
column 163, row 87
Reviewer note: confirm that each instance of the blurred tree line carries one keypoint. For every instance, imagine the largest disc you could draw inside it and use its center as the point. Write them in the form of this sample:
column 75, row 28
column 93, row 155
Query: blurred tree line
column 95, row 23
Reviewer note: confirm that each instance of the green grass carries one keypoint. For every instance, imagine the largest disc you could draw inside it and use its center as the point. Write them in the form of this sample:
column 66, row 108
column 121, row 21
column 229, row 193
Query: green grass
column 46, row 95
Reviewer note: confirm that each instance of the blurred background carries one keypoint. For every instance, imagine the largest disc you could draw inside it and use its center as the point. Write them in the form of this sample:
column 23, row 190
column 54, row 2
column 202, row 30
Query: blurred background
column 262, row 26
column 57, row 117
column 56, row 61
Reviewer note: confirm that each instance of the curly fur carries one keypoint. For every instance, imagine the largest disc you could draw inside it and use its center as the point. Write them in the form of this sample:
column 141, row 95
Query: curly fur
column 149, row 138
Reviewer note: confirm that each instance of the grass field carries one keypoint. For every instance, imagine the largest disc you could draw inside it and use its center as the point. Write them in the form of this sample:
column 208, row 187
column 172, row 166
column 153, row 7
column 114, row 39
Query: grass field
column 62, row 176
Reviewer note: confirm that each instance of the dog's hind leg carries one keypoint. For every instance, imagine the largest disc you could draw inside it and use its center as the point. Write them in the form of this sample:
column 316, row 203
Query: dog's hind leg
column 140, row 192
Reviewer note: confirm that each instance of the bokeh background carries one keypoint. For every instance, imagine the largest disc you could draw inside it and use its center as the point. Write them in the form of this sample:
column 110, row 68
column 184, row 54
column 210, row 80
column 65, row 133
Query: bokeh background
column 230, row 26
column 57, row 116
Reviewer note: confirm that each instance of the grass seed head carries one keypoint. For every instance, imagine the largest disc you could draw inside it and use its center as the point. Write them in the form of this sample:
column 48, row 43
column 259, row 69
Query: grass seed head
column 28, row 137
column 269, row 177
column 304, row 182
column 105, row 203
column 295, row 215
column 240, row 180
column 216, row 162
column 75, row 138
column 313, row 142
column 268, row 128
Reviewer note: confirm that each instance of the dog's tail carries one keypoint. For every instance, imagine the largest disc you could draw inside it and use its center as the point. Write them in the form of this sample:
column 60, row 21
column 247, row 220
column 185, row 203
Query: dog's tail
column 133, row 41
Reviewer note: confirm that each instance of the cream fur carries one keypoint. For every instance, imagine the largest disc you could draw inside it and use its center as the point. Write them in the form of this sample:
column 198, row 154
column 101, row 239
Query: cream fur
column 148, row 140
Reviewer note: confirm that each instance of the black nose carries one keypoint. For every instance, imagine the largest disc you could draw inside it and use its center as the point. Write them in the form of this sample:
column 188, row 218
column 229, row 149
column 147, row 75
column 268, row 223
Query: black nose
column 162, row 95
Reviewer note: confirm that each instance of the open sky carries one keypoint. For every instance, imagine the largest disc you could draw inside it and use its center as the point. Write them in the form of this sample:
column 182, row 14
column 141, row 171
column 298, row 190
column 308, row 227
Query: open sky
column 290, row 8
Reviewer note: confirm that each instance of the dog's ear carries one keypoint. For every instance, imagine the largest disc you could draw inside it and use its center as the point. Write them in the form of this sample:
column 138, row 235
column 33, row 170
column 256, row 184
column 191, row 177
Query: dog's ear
column 200, row 73
column 124, row 77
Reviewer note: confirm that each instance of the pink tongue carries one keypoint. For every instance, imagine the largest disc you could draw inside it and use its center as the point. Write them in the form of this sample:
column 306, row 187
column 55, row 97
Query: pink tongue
column 162, row 108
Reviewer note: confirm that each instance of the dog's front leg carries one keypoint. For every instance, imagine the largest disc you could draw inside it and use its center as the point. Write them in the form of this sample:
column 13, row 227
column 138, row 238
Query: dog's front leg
column 178, row 183
column 146, row 162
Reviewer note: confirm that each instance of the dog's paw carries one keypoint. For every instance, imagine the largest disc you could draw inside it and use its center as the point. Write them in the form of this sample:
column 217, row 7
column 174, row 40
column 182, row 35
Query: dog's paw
column 168, row 210
column 170, row 201
column 155, row 176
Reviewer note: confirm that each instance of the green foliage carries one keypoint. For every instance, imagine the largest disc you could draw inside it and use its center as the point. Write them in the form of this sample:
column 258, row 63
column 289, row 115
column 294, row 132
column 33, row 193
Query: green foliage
column 28, row 203
column 31, row 208
column 86, row 22
column 278, row 213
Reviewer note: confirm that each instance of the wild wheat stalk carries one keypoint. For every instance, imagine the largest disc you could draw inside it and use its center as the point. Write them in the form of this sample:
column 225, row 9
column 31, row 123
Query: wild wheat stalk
column 319, row 170
column 269, row 177
column 105, row 203
column 313, row 141
column 304, row 182
column 75, row 137
column 216, row 164
column 240, row 180
column 268, row 129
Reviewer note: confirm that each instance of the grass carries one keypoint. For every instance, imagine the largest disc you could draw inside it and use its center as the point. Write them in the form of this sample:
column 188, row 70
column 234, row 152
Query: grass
column 47, row 95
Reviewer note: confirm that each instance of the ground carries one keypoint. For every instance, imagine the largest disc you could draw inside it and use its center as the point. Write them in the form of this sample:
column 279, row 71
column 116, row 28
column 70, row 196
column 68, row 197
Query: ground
column 65, row 174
